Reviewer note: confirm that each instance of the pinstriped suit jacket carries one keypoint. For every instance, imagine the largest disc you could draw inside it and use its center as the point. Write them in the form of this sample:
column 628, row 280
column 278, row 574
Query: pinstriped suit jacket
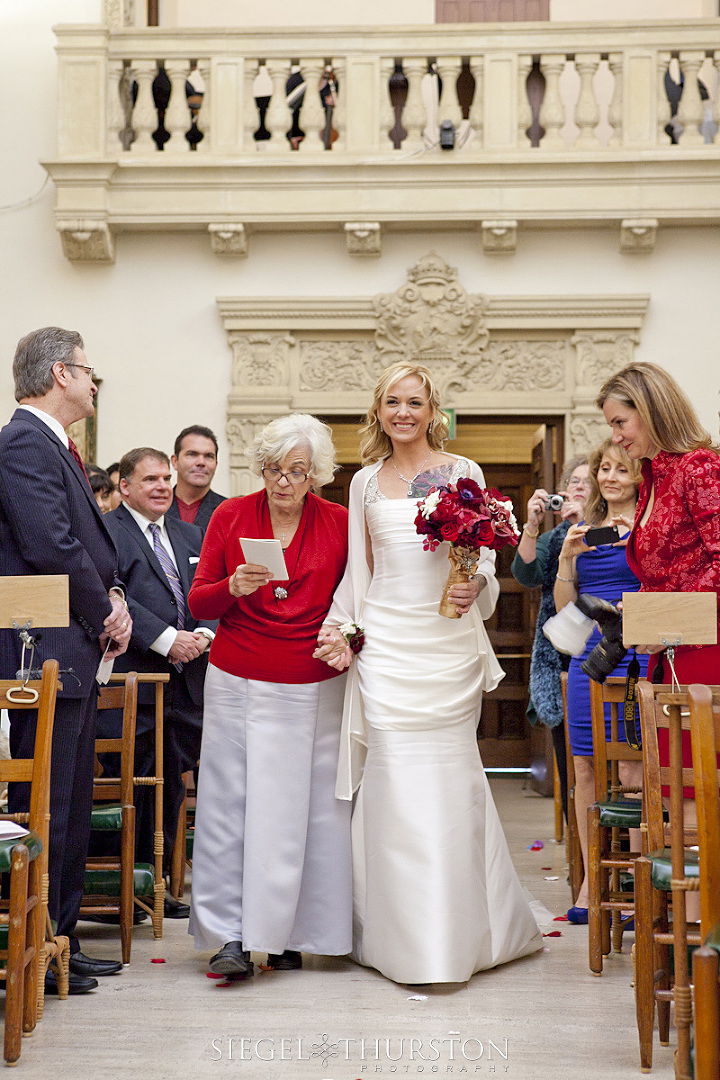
column 51, row 524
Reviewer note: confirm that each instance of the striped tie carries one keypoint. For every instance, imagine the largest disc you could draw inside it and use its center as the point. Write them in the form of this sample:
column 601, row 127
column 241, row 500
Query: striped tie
column 74, row 451
column 172, row 576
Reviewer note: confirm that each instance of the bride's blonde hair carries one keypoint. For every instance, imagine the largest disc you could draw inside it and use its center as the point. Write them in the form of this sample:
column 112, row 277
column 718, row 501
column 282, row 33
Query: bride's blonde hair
column 375, row 444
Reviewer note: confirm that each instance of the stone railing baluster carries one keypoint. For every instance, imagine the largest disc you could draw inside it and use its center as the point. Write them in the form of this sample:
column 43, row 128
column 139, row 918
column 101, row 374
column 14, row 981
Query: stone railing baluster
column 339, row 115
column 204, row 119
column 144, row 117
column 691, row 111
column 312, row 114
column 177, row 114
column 387, row 110
column 476, row 118
column 116, row 113
column 662, row 104
column 413, row 117
column 615, row 108
column 251, row 118
column 587, row 111
column 552, row 110
column 524, row 111
column 716, row 103
column 449, row 106
column 277, row 120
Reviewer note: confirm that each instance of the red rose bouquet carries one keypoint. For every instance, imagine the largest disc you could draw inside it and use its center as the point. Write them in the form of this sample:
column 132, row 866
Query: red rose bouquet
column 468, row 517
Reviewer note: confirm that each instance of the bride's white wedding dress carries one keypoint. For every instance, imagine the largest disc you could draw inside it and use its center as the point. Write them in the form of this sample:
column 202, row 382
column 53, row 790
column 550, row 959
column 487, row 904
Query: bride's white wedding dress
column 435, row 893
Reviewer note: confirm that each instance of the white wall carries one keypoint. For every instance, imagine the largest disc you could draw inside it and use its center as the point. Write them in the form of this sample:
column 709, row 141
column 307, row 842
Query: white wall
column 636, row 10
column 150, row 321
column 296, row 12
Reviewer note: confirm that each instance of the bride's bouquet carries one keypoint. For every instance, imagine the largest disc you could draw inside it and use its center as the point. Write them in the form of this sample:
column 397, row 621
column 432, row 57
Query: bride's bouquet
column 469, row 517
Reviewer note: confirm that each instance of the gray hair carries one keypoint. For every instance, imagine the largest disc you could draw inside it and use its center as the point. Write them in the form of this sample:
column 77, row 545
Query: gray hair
column 299, row 431
column 570, row 466
column 34, row 358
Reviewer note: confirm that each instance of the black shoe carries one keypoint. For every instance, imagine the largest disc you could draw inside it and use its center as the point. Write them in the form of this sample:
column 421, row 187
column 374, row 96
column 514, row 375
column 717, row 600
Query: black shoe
column 114, row 920
column 85, row 965
column 174, row 909
column 232, row 960
column 77, row 984
column 287, row 961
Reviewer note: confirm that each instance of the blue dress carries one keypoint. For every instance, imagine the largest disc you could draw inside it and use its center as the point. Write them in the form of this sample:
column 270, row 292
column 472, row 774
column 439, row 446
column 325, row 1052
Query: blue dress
column 603, row 572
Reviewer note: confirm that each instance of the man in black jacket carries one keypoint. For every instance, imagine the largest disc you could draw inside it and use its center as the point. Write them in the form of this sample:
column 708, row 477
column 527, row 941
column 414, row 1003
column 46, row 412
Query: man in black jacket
column 158, row 555
column 195, row 461
column 51, row 524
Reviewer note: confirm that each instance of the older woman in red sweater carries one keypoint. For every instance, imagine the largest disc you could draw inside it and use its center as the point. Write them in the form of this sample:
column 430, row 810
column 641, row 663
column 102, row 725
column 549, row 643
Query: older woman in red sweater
column 271, row 861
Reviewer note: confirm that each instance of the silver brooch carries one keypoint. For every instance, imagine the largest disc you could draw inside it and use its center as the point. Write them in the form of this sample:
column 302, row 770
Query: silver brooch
column 280, row 593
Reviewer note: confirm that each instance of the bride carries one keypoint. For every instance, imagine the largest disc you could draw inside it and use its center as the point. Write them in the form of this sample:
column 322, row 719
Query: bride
column 435, row 894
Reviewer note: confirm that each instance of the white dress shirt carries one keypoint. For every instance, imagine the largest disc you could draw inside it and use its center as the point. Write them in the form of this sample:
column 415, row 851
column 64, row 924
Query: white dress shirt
column 164, row 643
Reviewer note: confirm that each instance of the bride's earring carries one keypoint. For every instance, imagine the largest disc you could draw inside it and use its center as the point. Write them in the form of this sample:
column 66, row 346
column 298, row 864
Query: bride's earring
column 430, row 425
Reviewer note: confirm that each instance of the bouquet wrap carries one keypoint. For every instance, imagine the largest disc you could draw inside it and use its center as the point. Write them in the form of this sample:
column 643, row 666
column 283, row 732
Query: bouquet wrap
column 463, row 564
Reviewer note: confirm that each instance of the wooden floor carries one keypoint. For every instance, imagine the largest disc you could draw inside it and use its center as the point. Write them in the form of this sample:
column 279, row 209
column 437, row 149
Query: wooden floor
column 541, row 1018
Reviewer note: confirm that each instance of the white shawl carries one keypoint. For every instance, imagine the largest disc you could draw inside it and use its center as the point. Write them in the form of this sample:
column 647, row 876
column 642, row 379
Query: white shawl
column 347, row 606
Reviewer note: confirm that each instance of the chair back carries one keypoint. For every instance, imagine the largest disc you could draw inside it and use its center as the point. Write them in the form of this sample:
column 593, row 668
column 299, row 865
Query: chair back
column 705, row 733
column 607, row 753
column 35, row 770
column 119, row 697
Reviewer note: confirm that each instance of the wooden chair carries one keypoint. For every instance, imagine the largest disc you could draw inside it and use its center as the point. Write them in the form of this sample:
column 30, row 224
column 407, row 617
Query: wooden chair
column 665, row 874
column 158, row 679
column 25, row 954
column 184, row 839
column 576, row 868
column 608, row 819
column 112, row 882
column 705, row 733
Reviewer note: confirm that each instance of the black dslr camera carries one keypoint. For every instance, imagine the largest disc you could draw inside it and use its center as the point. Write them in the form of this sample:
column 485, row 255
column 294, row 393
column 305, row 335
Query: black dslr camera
column 608, row 652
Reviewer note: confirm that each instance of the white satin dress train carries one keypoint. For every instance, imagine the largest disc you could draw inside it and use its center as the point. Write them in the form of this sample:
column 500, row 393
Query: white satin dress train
column 436, row 896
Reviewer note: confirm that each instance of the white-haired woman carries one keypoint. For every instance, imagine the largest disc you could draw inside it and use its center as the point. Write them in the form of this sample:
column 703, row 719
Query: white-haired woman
column 271, row 860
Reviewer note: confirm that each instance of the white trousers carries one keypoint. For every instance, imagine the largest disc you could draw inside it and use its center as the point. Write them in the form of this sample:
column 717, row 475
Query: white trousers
column 271, row 856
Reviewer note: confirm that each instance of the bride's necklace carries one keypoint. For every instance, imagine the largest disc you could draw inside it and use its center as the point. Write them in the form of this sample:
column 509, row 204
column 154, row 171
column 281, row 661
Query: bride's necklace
column 404, row 478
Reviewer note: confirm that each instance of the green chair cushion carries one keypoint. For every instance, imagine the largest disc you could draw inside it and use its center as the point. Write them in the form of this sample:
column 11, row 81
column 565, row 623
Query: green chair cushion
column 107, row 817
column 625, row 813
column 32, row 842
column 661, row 873
column 713, row 938
column 107, row 882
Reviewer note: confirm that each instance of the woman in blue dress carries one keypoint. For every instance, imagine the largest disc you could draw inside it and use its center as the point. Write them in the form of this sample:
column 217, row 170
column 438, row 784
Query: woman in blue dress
column 600, row 571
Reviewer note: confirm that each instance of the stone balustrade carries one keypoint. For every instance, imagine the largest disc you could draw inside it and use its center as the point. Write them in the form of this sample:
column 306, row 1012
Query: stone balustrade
column 513, row 95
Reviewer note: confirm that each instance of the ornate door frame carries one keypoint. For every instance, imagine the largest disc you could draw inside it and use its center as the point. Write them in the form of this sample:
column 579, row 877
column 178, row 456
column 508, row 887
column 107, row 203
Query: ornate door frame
column 499, row 355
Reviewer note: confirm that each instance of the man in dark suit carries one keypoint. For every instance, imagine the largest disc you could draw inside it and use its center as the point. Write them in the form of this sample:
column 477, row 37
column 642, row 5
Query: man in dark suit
column 51, row 524
column 195, row 461
column 157, row 557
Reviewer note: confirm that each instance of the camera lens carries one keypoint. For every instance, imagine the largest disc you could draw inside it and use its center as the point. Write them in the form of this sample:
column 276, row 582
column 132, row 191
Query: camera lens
column 555, row 502
column 604, row 658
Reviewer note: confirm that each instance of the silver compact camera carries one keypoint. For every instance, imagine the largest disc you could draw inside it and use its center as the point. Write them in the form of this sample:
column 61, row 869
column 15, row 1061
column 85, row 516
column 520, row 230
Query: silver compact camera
column 555, row 503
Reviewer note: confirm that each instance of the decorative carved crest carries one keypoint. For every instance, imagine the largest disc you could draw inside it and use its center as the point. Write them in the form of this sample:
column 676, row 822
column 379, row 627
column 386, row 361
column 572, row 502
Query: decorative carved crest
column 431, row 319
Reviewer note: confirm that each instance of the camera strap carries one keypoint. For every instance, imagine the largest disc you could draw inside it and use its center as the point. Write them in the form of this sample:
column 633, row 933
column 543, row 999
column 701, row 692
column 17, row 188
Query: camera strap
column 632, row 729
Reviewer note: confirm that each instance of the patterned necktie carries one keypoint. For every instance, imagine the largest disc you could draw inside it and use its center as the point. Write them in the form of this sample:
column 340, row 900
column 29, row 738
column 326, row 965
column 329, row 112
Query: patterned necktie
column 172, row 575
column 74, row 451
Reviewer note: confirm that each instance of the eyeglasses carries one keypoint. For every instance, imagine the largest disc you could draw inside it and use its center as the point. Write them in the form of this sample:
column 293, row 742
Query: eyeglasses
column 576, row 481
column 85, row 368
column 295, row 476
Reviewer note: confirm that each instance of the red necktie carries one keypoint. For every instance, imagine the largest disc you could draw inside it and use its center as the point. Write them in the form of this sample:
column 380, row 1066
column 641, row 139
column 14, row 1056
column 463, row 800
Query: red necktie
column 74, row 451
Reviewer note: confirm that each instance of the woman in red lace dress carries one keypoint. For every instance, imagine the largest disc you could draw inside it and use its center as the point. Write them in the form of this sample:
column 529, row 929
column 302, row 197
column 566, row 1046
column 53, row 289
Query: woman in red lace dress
column 675, row 541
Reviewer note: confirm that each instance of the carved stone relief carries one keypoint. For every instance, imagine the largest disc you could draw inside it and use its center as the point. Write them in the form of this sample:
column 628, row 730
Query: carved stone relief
column 513, row 354
column 430, row 318
column 87, row 241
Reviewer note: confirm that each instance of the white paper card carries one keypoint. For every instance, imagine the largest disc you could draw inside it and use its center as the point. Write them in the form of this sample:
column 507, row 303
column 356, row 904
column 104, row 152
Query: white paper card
column 9, row 830
column 105, row 667
column 267, row 553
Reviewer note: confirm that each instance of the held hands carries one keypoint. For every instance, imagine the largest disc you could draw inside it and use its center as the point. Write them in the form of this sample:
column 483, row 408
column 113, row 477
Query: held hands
column 333, row 648
column 187, row 646
column 118, row 628
column 248, row 578
column 465, row 593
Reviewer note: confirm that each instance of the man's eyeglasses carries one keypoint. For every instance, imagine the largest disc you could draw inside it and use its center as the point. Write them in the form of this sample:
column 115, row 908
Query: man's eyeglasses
column 85, row 368
column 295, row 476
